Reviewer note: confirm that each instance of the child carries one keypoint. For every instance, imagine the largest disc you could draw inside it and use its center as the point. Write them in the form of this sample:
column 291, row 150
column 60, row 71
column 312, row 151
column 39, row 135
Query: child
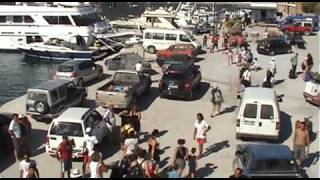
column 192, row 163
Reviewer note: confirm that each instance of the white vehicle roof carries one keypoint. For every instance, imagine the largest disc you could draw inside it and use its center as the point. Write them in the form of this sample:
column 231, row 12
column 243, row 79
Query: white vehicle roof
column 164, row 30
column 73, row 114
column 259, row 94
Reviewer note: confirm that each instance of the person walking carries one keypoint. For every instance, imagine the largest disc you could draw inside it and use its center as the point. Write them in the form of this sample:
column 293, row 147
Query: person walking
column 25, row 164
column 180, row 156
column 130, row 147
column 139, row 67
column 95, row 165
column 294, row 63
column 135, row 115
column 238, row 173
column 87, row 151
column 217, row 100
column 267, row 80
column 15, row 133
column 273, row 68
column 26, row 129
column 204, row 42
column 65, row 149
column 309, row 62
column 301, row 141
column 110, row 120
column 214, row 41
column 146, row 166
column 230, row 55
column 246, row 77
column 193, row 165
column 201, row 127
column 154, row 149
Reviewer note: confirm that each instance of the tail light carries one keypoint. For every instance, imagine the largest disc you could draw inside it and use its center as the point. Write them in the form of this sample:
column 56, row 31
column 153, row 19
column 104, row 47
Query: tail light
column 238, row 122
column 46, row 140
column 187, row 87
column 278, row 126
column 74, row 74
column 160, row 84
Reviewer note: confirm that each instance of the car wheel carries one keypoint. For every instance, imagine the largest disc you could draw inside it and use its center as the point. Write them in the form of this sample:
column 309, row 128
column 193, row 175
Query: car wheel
column 271, row 53
column 100, row 75
column 41, row 107
column 151, row 49
column 80, row 82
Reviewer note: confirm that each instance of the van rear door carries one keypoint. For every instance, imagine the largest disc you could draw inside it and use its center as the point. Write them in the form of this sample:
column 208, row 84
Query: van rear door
column 248, row 122
column 267, row 120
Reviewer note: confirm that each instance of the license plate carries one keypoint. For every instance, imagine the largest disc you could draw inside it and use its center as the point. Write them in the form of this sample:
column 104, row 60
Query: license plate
column 249, row 123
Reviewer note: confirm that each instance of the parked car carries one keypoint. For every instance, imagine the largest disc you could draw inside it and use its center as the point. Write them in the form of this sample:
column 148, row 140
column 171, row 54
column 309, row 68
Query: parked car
column 266, row 160
column 128, row 61
column 259, row 114
column 303, row 27
column 176, row 49
column 78, row 124
column 122, row 91
column 50, row 98
column 203, row 29
column 79, row 72
column 5, row 139
column 183, row 58
column 273, row 46
column 311, row 92
column 290, row 36
column 180, row 80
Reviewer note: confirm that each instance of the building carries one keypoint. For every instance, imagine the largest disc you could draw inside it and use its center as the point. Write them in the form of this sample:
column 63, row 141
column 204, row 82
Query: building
column 290, row 8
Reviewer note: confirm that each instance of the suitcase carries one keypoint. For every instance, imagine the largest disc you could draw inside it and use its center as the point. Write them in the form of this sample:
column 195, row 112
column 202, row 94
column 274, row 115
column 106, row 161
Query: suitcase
column 292, row 74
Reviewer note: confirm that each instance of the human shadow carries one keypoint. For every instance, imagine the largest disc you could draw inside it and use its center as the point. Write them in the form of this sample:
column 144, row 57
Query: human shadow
column 311, row 159
column 146, row 136
column 279, row 81
column 286, row 126
column 38, row 137
column 163, row 150
column 199, row 59
column 216, row 147
column 228, row 110
column 201, row 90
column 206, row 171
column 164, row 162
column 95, row 81
column 145, row 101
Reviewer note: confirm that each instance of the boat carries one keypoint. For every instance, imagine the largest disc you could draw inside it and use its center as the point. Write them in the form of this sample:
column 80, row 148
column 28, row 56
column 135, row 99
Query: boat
column 27, row 22
column 61, row 50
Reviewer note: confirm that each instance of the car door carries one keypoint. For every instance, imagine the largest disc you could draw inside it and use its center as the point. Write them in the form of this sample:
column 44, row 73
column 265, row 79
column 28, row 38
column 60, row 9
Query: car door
column 266, row 120
column 248, row 118
column 93, row 70
column 84, row 71
column 97, row 125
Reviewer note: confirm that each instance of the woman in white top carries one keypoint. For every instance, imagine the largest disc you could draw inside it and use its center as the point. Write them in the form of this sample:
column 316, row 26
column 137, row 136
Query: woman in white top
column 130, row 145
column 95, row 166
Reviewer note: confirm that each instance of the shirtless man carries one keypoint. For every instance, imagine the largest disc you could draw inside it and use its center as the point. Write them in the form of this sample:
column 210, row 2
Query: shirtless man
column 301, row 141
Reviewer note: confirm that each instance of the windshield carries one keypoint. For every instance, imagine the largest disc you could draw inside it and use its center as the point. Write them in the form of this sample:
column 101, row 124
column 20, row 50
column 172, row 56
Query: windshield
column 66, row 68
column 126, row 78
column 86, row 20
column 37, row 96
column 191, row 36
column 173, row 76
column 66, row 128
column 274, row 165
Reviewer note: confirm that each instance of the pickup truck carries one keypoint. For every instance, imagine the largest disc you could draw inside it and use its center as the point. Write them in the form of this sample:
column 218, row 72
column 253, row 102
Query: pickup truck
column 122, row 91
column 51, row 98
column 303, row 28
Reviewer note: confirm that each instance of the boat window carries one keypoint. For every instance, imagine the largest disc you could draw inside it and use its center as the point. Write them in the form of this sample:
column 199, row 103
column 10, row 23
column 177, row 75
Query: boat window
column 57, row 19
column 184, row 38
column 64, row 20
column 28, row 19
column 147, row 36
column 250, row 111
column 171, row 37
column 17, row 19
column 3, row 19
column 38, row 39
column 158, row 36
column 86, row 20
column 29, row 39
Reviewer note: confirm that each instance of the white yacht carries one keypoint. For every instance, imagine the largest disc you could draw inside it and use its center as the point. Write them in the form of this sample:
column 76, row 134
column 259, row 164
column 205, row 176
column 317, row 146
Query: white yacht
column 24, row 23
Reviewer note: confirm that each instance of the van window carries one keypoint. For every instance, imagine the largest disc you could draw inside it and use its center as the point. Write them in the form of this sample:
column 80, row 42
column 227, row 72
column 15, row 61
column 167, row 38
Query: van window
column 184, row 38
column 147, row 36
column 171, row 37
column 250, row 111
column 158, row 36
column 266, row 112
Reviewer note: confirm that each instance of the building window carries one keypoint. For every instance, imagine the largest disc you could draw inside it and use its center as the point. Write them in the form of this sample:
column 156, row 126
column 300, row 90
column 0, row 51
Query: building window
column 28, row 19
column 17, row 19
column 3, row 19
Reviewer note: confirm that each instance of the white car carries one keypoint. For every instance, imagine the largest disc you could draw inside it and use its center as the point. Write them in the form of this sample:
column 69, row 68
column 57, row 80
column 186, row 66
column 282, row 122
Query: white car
column 78, row 124
column 133, row 40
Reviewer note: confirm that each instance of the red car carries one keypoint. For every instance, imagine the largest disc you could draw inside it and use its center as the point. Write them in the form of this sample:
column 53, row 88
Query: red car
column 303, row 28
column 186, row 49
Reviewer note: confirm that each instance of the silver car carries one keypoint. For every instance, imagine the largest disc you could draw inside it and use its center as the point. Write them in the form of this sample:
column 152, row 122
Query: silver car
column 79, row 71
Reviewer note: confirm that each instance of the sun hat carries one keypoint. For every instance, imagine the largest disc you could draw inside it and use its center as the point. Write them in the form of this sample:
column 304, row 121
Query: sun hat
column 75, row 173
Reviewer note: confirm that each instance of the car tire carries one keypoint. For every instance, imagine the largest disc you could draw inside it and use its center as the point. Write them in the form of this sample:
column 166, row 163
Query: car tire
column 151, row 50
column 41, row 107
column 271, row 53
column 80, row 82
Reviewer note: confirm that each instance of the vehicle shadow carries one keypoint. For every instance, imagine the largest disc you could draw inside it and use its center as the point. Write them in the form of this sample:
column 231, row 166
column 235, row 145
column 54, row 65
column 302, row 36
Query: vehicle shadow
column 301, row 46
column 199, row 59
column 145, row 101
column 286, row 126
column 312, row 159
column 6, row 160
column 38, row 137
column 216, row 147
column 95, row 81
column 201, row 90
column 206, row 171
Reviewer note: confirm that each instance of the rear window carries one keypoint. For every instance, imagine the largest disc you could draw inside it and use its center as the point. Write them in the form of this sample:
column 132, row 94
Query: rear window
column 266, row 112
column 66, row 68
column 66, row 128
column 126, row 78
column 173, row 76
column 250, row 111
column 35, row 96
column 274, row 165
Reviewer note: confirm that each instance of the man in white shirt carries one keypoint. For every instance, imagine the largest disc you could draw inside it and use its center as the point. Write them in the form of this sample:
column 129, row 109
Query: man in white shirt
column 15, row 133
column 273, row 68
column 110, row 119
column 139, row 67
column 25, row 164
column 246, row 78
column 201, row 128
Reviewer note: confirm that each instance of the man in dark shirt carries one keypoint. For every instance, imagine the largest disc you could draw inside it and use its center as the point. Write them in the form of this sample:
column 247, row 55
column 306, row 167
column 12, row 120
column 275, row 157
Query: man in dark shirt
column 238, row 174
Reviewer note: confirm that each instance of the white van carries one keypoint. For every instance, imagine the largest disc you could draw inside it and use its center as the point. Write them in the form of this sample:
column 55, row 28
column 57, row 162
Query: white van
column 259, row 114
column 160, row 39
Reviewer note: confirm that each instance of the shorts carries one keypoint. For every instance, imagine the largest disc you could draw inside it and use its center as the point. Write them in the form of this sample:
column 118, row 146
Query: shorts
column 66, row 165
column 299, row 152
column 16, row 144
column 181, row 164
column 201, row 141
